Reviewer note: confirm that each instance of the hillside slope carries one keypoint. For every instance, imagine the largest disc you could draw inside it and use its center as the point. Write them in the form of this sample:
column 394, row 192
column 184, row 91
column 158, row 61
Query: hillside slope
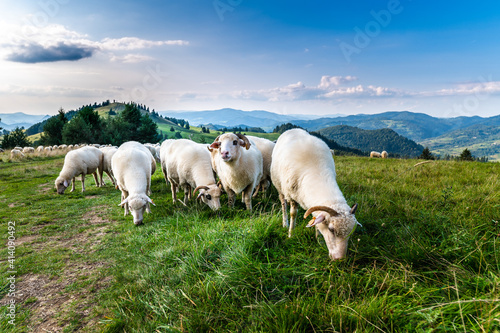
column 369, row 140
column 480, row 139
column 415, row 126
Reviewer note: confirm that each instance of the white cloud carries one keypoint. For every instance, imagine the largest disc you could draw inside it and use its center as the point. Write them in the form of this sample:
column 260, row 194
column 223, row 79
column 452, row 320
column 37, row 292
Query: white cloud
column 330, row 87
column 134, row 43
column 130, row 58
column 54, row 42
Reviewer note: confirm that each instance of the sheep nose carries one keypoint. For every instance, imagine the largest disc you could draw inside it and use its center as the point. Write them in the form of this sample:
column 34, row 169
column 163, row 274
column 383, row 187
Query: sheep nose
column 224, row 154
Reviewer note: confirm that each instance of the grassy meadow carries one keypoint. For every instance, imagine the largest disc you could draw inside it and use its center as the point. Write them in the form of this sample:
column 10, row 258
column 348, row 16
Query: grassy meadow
column 427, row 258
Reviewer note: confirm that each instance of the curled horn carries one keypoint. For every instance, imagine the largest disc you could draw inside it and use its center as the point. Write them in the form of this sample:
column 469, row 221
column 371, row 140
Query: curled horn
column 201, row 187
column 244, row 138
column 328, row 210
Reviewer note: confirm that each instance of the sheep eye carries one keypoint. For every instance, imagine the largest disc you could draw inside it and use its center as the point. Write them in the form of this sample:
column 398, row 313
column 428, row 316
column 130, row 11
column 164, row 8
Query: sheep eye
column 208, row 196
column 235, row 142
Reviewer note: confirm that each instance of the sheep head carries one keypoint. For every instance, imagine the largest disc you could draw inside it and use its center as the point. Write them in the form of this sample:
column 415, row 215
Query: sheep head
column 61, row 185
column 210, row 195
column 137, row 204
column 336, row 228
column 229, row 145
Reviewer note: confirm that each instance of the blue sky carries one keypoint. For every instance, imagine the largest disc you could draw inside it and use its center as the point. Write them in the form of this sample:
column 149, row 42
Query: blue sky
column 316, row 57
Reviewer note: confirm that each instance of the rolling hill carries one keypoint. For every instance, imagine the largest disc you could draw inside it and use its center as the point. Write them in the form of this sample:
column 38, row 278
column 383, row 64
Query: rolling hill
column 19, row 119
column 369, row 140
column 480, row 139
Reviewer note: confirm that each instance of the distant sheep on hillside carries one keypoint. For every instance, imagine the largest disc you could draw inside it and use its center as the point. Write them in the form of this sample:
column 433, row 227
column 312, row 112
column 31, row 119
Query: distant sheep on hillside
column 375, row 154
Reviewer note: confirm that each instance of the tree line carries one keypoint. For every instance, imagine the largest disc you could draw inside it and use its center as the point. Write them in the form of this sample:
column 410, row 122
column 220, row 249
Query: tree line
column 87, row 126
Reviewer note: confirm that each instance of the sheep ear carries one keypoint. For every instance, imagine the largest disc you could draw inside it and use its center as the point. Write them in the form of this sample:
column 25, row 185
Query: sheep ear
column 210, row 149
column 316, row 220
column 150, row 201
column 215, row 145
column 123, row 202
column 244, row 144
column 65, row 183
column 354, row 208
column 199, row 195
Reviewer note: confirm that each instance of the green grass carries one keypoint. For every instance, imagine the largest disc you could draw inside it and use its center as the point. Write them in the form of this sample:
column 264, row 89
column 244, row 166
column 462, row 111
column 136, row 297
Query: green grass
column 427, row 258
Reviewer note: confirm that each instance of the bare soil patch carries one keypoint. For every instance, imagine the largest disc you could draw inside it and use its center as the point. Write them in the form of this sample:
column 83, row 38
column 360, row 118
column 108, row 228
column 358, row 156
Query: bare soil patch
column 55, row 301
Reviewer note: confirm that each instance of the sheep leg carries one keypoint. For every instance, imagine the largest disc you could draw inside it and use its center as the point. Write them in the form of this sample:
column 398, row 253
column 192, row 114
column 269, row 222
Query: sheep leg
column 247, row 195
column 97, row 183
column 230, row 197
column 83, row 182
column 125, row 196
column 100, row 170
column 187, row 193
column 293, row 216
column 72, row 184
column 110, row 178
column 174, row 191
column 284, row 210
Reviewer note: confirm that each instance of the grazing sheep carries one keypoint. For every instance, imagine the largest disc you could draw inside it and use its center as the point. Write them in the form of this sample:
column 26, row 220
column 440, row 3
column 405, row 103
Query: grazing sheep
column 384, row 154
column 265, row 147
column 189, row 166
column 131, row 165
column 238, row 164
column 47, row 149
column 28, row 150
column 39, row 149
column 152, row 150
column 108, row 153
column 16, row 153
column 375, row 154
column 303, row 172
column 83, row 161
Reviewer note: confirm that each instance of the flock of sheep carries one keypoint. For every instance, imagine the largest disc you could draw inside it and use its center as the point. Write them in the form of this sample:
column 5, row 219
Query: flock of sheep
column 299, row 165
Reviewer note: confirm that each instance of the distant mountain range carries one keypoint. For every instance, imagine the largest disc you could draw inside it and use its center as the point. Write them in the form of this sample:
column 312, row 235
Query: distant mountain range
column 236, row 118
column 10, row 121
column 439, row 134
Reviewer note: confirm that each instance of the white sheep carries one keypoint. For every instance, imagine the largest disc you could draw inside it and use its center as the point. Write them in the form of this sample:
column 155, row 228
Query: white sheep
column 108, row 153
column 153, row 151
column 28, row 150
column 16, row 153
column 131, row 165
column 39, row 149
column 265, row 147
column 238, row 165
column 375, row 154
column 384, row 154
column 303, row 172
column 83, row 161
column 18, row 148
column 47, row 149
column 188, row 166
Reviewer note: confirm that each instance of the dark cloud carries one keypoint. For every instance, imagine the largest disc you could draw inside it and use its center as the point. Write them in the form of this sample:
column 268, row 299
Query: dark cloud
column 35, row 53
